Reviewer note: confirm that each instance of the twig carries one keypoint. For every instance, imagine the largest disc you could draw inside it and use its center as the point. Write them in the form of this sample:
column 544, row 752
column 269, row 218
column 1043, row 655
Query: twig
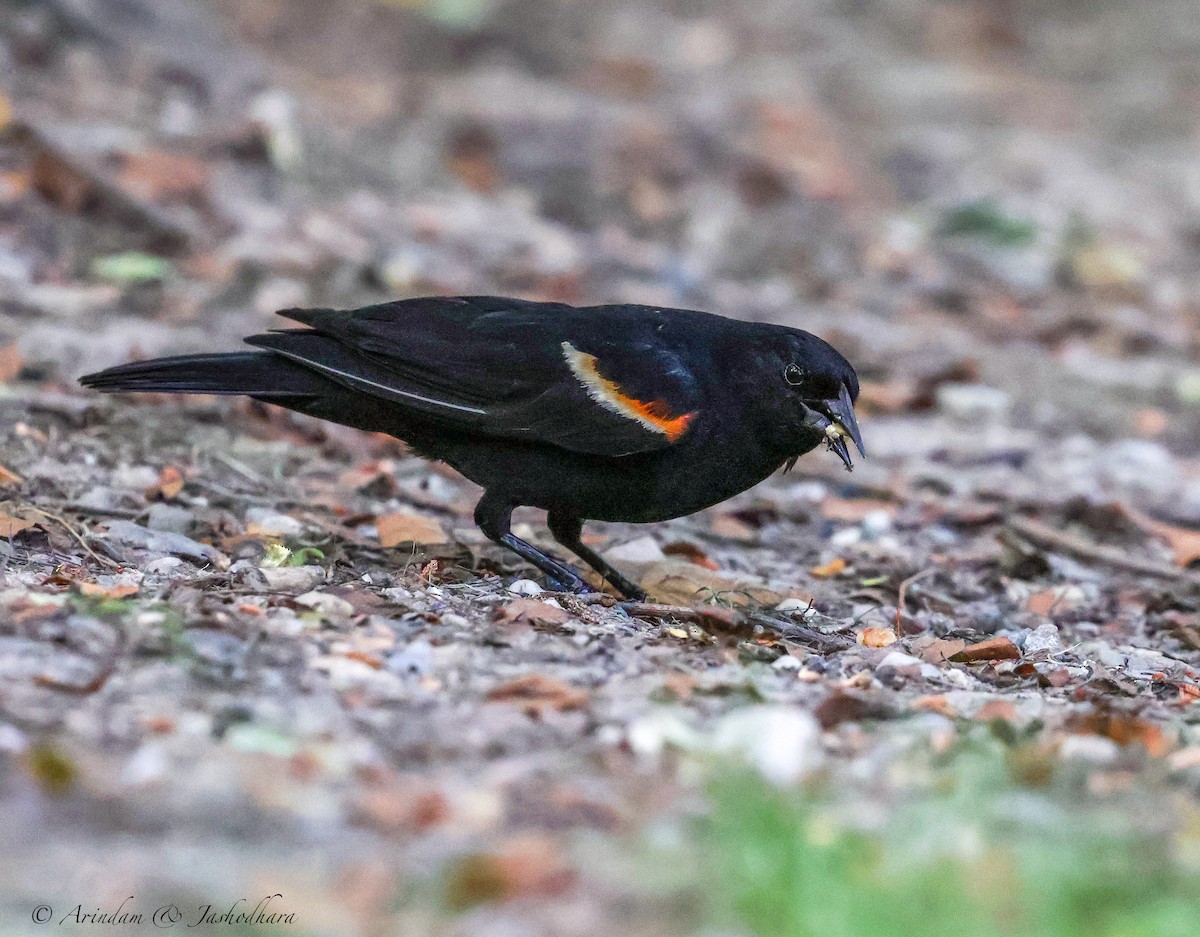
column 59, row 519
column 1047, row 537
column 903, row 593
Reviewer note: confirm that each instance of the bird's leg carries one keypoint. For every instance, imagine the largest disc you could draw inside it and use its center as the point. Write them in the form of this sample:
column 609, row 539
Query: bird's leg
column 567, row 531
column 494, row 517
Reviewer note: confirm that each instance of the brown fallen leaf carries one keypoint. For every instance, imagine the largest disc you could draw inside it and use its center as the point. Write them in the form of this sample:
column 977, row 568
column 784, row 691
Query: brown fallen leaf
column 94, row 590
column 678, row 582
column 1183, row 541
column 834, row 567
column 9, row 478
column 532, row 612
column 1040, row 603
column 11, row 525
column 934, row 703
column 402, row 527
column 842, row 706
column 371, row 660
column 1124, row 729
column 535, row 694
column 991, row 649
column 691, row 553
column 938, row 650
column 530, row 866
column 168, row 486
column 732, row 527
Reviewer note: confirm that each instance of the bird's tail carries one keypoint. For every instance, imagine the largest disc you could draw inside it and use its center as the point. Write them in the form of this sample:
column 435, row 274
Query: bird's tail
column 254, row 373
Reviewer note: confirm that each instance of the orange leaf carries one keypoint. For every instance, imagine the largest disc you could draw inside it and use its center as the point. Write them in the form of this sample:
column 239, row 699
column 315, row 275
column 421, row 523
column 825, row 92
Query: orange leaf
column 10, row 526
column 532, row 612
column 991, row 649
column 169, row 484
column 9, row 478
column 731, row 527
column 402, row 527
column 832, row 568
column 364, row 658
column 96, row 591
column 1183, row 541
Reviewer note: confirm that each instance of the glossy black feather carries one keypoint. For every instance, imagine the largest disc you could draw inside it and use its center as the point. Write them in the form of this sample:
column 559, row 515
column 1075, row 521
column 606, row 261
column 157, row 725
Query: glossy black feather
column 619, row 412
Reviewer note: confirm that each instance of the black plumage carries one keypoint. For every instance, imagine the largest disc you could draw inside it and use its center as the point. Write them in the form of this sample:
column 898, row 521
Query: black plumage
column 620, row 412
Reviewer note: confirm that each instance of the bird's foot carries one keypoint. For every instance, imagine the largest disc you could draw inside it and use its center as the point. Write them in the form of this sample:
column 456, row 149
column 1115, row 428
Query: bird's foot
column 575, row 585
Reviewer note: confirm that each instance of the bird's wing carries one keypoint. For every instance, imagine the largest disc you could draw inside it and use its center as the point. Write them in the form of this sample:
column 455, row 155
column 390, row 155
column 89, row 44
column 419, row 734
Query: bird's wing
column 587, row 381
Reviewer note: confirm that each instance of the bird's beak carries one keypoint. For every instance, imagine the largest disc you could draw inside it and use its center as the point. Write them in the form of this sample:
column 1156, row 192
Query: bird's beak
column 835, row 419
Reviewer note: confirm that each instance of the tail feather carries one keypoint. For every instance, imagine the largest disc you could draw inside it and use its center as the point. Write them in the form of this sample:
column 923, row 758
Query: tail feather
column 254, row 373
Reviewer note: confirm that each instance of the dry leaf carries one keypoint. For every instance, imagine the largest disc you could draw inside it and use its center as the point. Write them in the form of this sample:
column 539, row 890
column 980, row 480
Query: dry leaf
column 96, row 591
column 991, row 649
column 938, row 650
column 536, row 694
column 842, row 706
column 1184, row 542
column 402, row 527
column 169, row 484
column 532, row 612
column 876, row 637
column 677, row 582
column 1040, row 603
column 1123, row 729
column 937, row 703
column 8, row 478
column 691, row 553
column 10, row 525
column 732, row 527
column 833, row 568
column 364, row 658
column 526, row 867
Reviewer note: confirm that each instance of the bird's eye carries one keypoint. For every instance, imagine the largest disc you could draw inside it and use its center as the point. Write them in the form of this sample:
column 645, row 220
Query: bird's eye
column 793, row 374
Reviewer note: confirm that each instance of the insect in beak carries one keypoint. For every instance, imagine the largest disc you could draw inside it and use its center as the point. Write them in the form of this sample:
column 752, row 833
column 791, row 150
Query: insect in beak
column 835, row 419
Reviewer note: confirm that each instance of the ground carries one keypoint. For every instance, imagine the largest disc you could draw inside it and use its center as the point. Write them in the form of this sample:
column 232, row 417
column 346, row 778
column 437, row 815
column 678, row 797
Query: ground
column 244, row 654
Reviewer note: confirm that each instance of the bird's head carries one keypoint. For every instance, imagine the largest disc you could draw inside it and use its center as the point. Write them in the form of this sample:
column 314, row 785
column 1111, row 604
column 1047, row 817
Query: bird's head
column 818, row 388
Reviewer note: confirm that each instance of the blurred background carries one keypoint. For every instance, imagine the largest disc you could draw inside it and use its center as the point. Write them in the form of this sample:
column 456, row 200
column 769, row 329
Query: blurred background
column 948, row 189
column 991, row 207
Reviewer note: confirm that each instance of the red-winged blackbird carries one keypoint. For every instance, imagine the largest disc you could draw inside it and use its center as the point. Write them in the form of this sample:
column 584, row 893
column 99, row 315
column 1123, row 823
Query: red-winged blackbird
column 619, row 413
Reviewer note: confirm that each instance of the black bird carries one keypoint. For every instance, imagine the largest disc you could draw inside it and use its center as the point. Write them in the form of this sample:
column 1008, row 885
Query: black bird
column 616, row 413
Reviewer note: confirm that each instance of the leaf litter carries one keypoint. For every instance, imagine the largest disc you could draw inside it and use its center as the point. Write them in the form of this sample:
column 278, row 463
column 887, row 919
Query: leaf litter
column 212, row 610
